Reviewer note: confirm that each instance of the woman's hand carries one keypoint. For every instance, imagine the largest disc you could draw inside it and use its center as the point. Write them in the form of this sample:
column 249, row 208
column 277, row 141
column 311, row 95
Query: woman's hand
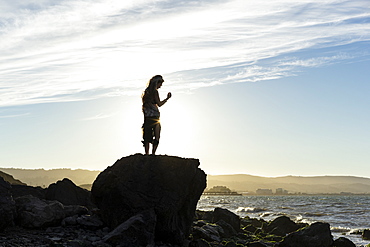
column 169, row 95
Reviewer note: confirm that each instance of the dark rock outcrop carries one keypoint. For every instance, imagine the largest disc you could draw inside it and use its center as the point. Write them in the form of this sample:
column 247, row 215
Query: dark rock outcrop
column 343, row 242
column 137, row 231
column 68, row 193
column 366, row 234
column 7, row 205
column 281, row 226
column 228, row 217
column 171, row 186
column 35, row 213
column 24, row 190
column 317, row 234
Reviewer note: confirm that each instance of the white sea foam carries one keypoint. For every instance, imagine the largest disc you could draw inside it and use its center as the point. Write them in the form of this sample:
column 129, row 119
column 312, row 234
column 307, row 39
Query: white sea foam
column 250, row 210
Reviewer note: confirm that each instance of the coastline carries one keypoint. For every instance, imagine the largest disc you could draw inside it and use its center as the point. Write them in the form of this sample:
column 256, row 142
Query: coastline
column 346, row 214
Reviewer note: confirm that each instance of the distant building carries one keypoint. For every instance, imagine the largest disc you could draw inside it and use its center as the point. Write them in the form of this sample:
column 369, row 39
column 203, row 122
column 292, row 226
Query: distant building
column 281, row 191
column 264, row 192
column 220, row 190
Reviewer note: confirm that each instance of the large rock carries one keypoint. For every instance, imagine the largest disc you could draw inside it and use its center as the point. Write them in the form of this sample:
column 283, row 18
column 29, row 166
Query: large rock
column 343, row 242
column 366, row 234
column 227, row 216
column 316, row 235
column 35, row 213
column 68, row 193
column 7, row 205
column 24, row 190
column 281, row 226
column 137, row 231
column 209, row 232
column 170, row 185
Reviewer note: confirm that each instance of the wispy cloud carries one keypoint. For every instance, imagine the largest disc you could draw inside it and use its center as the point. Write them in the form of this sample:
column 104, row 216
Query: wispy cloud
column 98, row 116
column 77, row 50
column 12, row 114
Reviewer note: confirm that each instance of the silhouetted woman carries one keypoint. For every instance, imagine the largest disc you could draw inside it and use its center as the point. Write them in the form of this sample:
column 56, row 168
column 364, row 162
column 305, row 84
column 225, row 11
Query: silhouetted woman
column 151, row 102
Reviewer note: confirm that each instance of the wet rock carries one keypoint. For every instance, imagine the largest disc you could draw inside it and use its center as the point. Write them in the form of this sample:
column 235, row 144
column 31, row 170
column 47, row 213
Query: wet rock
column 227, row 216
column 281, row 226
column 250, row 229
column 7, row 205
column 71, row 210
column 199, row 243
column 209, row 232
column 366, row 234
column 203, row 215
column 89, row 221
column 34, row 212
column 170, row 185
column 68, row 193
column 315, row 235
column 246, row 221
column 228, row 230
column 343, row 242
column 137, row 231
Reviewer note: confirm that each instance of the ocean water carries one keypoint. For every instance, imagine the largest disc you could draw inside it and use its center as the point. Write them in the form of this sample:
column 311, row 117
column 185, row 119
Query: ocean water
column 345, row 214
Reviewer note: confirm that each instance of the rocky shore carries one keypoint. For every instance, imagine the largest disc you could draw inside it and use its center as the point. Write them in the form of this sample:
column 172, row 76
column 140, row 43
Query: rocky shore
column 142, row 201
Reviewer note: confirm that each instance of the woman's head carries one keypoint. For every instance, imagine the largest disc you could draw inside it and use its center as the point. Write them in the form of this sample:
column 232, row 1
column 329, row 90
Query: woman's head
column 156, row 82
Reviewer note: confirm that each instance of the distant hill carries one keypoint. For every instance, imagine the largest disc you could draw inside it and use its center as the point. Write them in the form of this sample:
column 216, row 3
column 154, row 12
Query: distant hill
column 41, row 177
column 238, row 182
column 10, row 179
column 293, row 184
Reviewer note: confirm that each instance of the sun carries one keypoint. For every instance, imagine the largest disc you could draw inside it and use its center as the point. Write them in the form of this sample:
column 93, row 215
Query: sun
column 179, row 129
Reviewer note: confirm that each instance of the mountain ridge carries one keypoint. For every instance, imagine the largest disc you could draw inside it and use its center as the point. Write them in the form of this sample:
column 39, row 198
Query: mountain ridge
column 236, row 182
column 43, row 178
column 294, row 184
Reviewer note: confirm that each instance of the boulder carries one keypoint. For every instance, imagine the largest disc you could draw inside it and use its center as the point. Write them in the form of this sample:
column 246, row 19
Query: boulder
column 23, row 190
column 68, row 193
column 7, row 205
column 209, row 232
column 366, row 234
column 228, row 217
column 170, row 185
column 316, row 235
column 137, row 231
column 257, row 223
column 343, row 242
column 71, row 210
column 199, row 243
column 35, row 213
column 89, row 221
column 281, row 226
column 228, row 230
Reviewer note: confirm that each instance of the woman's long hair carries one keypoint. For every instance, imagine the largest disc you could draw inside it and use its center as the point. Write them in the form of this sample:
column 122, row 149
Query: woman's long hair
column 148, row 94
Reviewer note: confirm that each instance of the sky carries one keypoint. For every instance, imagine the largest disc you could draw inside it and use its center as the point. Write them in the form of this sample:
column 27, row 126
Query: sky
column 268, row 88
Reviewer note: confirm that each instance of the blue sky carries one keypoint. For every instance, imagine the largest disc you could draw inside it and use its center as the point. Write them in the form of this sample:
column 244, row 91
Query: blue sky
column 266, row 88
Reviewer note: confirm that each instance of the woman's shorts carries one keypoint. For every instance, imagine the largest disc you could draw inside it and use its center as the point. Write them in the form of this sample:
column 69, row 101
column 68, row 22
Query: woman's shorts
column 148, row 128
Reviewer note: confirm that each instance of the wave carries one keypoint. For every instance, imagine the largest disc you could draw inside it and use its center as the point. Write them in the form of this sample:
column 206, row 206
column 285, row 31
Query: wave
column 314, row 214
column 250, row 210
column 340, row 229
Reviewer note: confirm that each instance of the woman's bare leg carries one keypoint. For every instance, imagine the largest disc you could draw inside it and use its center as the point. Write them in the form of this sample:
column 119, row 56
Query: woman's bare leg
column 157, row 134
column 146, row 147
